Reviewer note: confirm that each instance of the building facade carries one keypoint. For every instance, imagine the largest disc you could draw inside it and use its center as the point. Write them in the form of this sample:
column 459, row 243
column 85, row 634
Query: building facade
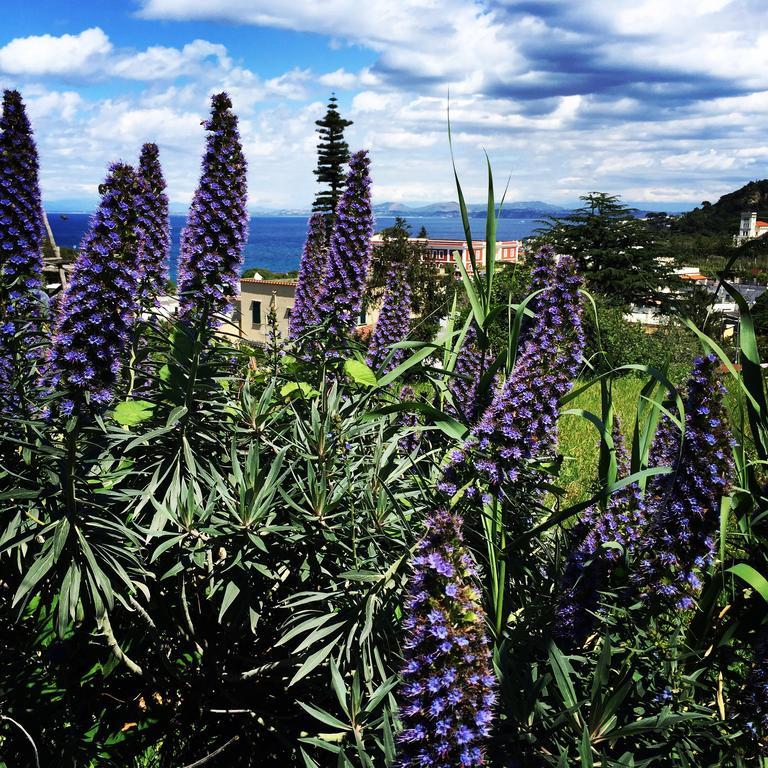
column 750, row 227
column 445, row 253
column 252, row 309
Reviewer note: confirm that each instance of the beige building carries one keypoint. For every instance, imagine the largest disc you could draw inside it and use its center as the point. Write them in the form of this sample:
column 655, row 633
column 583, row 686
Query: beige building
column 255, row 299
column 445, row 253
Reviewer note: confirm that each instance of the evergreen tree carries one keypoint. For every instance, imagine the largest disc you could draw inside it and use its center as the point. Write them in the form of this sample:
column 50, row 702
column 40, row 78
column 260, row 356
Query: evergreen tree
column 332, row 154
column 615, row 252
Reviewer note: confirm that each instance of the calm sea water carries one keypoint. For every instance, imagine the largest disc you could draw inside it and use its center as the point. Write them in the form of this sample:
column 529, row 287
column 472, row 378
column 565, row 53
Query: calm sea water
column 275, row 242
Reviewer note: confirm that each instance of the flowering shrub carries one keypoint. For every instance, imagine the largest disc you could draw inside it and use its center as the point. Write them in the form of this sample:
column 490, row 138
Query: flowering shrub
column 254, row 559
column 684, row 509
column 349, row 252
column 447, row 680
column 153, row 226
column 393, row 323
column 217, row 224
column 21, row 240
column 99, row 306
column 309, row 286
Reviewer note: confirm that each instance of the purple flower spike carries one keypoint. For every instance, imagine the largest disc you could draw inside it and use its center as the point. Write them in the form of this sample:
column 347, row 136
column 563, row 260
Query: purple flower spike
column 217, row 225
column 153, row 227
column 448, row 689
column 394, row 322
column 21, row 237
column 684, row 507
column 305, row 314
column 349, row 254
column 595, row 557
column 520, row 425
column 99, row 307
column 471, row 365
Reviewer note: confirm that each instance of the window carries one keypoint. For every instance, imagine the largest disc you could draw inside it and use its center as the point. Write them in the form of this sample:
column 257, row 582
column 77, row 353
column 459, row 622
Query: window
column 363, row 317
column 256, row 312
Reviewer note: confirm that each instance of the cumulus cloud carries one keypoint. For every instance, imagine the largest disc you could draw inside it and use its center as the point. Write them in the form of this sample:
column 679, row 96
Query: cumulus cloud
column 49, row 55
column 566, row 96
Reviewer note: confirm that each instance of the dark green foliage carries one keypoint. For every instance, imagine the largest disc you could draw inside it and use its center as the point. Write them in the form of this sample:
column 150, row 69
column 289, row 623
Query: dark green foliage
column 613, row 341
column 722, row 217
column 614, row 252
column 332, row 154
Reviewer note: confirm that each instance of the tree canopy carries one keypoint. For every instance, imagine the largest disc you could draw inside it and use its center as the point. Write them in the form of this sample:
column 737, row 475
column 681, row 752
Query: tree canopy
column 615, row 252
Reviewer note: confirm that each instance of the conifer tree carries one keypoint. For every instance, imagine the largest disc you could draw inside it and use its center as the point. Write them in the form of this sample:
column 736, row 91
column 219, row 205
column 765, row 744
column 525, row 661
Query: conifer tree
column 615, row 252
column 332, row 154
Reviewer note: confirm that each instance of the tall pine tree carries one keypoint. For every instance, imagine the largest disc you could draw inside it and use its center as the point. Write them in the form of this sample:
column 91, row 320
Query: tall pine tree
column 332, row 154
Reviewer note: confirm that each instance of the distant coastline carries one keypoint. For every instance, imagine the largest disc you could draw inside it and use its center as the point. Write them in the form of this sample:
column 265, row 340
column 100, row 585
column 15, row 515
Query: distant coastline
column 275, row 241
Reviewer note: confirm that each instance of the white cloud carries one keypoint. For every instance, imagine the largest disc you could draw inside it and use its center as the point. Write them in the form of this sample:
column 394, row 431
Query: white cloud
column 161, row 63
column 49, row 55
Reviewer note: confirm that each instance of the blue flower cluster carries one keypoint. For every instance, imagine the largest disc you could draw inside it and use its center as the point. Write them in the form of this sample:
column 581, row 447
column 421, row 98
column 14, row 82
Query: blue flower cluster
column 394, row 321
column 472, row 363
column 99, row 307
column 217, row 225
column 684, row 507
column 305, row 314
column 153, row 224
column 21, row 238
column 448, row 686
column 349, row 253
column 592, row 561
column 521, row 423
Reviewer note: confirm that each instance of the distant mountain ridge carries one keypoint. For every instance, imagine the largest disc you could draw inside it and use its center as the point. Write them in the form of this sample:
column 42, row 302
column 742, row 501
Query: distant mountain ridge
column 523, row 209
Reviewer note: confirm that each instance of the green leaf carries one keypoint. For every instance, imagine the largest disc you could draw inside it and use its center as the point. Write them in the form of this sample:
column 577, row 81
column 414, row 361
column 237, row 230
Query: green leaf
column 298, row 387
column 230, row 593
column 132, row 412
column 585, row 750
column 561, row 668
column 317, row 658
column 754, row 578
column 324, row 717
column 360, row 373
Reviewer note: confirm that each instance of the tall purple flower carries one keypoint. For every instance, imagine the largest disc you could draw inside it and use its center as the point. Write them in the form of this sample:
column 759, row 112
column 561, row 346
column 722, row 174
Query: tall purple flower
column 394, row 321
column 448, row 686
column 304, row 314
column 93, row 332
column 349, row 253
column 153, row 226
column 217, row 225
column 594, row 558
column 684, row 507
column 520, row 425
column 21, row 238
column 472, row 363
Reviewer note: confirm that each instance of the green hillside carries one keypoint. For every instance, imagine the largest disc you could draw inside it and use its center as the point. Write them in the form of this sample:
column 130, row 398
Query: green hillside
column 722, row 217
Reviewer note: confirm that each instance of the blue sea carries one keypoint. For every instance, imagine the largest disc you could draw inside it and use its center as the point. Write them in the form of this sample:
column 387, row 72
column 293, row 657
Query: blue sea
column 275, row 242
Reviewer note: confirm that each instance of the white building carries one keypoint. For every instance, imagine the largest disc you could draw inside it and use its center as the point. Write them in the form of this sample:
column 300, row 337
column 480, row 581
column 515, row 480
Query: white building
column 750, row 228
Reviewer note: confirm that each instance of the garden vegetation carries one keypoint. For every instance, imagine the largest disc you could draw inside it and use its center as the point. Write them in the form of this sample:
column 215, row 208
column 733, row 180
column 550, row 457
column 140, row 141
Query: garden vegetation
column 339, row 552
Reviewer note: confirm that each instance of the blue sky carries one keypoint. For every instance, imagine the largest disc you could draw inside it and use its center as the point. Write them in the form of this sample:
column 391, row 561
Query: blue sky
column 654, row 100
